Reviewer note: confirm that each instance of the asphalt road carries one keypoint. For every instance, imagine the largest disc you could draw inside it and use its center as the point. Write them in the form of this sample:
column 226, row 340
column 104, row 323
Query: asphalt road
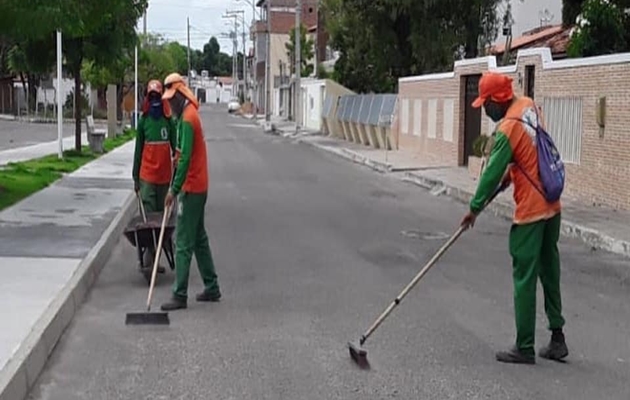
column 14, row 134
column 309, row 250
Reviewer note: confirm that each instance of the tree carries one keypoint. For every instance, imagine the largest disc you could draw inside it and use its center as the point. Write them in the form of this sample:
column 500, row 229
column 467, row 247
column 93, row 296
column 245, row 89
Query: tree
column 599, row 30
column 179, row 56
column 31, row 60
column 570, row 10
column 98, row 31
column 307, row 48
column 380, row 41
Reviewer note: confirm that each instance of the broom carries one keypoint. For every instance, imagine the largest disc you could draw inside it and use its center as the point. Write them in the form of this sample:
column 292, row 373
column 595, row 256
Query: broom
column 148, row 317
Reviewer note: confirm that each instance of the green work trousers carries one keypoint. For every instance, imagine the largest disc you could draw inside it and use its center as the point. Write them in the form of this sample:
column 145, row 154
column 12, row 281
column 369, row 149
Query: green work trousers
column 193, row 239
column 534, row 251
column 153, row 196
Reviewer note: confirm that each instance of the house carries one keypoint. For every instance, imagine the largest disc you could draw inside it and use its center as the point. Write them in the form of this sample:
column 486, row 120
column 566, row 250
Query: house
column 584, row 102
column 526, row 14
column 280, row 15
column 554, row 37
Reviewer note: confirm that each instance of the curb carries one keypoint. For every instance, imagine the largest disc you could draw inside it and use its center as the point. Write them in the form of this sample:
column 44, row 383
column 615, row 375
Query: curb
column 23, row 369
column 350, row 156
column 568, row 228
column 591, row 237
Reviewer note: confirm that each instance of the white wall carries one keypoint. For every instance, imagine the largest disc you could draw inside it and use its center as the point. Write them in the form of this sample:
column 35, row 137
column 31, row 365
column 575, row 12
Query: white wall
column 226, row 93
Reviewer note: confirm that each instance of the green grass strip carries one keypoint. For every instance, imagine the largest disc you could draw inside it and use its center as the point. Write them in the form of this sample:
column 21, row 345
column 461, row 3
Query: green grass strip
column 21, row 179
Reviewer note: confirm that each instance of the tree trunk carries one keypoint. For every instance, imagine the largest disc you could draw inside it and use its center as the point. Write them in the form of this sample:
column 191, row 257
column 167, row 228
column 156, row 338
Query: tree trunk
column 25, row 89
column 77, row 109
column 32, row 91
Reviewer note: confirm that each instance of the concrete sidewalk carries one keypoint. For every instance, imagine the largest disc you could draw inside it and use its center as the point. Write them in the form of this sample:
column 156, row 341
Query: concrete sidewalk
column 599, row 228
column 52, row 246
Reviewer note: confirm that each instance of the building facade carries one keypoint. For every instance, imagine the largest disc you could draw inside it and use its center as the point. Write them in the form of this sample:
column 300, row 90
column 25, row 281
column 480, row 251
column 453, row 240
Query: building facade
column 280, row 16
column 584, row 102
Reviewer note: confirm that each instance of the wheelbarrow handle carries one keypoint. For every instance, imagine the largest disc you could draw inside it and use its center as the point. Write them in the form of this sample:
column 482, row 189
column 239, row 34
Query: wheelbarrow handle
column 141, row 206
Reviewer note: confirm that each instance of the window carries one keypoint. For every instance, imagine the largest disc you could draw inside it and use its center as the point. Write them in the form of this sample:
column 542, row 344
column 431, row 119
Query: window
column 563, row 116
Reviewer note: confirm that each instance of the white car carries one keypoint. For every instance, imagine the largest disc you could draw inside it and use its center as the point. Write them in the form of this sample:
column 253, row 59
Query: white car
column 233, row 105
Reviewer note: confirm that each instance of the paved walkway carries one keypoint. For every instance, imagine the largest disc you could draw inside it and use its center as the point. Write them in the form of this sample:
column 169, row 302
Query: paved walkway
column 51, row 246
column 598, row 227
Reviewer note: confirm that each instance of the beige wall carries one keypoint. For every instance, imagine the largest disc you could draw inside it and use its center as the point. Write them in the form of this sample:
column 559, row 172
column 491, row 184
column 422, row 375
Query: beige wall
column 278, row 52
column 598, row 168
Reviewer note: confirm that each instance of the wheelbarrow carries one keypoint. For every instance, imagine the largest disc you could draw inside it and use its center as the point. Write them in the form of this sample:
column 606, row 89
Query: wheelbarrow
column 143, row 236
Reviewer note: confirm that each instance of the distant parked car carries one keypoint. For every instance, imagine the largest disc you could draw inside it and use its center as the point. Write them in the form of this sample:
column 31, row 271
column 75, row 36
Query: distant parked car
column 233, row 105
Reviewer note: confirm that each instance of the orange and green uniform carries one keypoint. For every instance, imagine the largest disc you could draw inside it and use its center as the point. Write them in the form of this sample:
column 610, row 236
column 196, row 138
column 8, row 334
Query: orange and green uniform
column 536, row 227
column 152, row 167
column 190, row 185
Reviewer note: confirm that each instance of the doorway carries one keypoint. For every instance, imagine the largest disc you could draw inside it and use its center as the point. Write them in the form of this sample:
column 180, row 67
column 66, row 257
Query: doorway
column 530, row 75
column 472, row 116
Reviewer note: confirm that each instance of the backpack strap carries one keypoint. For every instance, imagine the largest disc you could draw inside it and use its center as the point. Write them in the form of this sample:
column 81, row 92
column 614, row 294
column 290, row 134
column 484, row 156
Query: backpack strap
column 516, row 163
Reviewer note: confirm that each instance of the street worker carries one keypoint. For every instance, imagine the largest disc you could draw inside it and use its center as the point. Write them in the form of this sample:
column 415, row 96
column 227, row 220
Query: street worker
column 155, row 147
column 190, row 186
column 534, row 235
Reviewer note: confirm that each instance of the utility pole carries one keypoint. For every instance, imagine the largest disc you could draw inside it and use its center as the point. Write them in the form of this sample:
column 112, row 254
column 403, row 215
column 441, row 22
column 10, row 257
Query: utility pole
column 235, row 14
column 268, row 65
column 508, row 21
column 235, row 58
column 58, row 95
column 244, row 60
column 298, row 64
column 144, row 23
column 188, row 50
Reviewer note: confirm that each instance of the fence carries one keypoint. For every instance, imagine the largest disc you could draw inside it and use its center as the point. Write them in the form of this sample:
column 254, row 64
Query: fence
column 584, row 101
column 365, row 119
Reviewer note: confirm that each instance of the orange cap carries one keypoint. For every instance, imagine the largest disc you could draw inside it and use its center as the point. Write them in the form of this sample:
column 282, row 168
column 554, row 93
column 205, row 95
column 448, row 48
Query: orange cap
column 494, row 86
column 175, row 83
column 172, row 82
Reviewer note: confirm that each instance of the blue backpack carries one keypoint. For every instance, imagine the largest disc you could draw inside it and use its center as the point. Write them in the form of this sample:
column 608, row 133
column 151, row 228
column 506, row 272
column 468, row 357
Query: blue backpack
column 550, row 166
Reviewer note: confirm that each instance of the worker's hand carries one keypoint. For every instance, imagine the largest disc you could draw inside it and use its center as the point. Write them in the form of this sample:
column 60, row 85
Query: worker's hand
column 170, row 199
column 469, row 220
column 136, row 186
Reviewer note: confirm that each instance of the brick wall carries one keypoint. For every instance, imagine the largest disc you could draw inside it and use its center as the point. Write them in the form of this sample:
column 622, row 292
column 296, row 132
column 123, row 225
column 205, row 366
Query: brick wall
column 567, row 91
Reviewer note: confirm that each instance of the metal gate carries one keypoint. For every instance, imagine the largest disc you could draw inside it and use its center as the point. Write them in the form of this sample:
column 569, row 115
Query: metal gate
column 472, row 116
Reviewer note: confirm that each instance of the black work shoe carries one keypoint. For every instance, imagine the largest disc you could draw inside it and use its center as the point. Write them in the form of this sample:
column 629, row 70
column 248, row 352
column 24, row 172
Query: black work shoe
column 206, row 296
column 174, row 304
column 515, row 356
column 557, row 349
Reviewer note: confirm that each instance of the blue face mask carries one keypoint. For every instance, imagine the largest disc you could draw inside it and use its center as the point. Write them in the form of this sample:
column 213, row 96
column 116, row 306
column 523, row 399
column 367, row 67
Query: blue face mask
column 155, row 109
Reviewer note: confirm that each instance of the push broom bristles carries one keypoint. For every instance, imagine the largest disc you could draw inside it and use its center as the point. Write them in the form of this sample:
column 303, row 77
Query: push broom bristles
column 147, row 318
column 358, row 354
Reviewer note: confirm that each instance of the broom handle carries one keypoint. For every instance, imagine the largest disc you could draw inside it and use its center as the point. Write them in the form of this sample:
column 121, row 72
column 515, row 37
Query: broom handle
column 424, row 270
column 157, row 258
column 413, row 283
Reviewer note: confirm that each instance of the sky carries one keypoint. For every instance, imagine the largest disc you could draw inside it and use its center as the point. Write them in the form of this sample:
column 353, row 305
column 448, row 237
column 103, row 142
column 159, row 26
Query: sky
column 168, row 18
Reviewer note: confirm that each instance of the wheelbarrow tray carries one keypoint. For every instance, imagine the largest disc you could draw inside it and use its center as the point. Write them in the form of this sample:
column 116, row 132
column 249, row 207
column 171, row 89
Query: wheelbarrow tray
column 147, row 234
